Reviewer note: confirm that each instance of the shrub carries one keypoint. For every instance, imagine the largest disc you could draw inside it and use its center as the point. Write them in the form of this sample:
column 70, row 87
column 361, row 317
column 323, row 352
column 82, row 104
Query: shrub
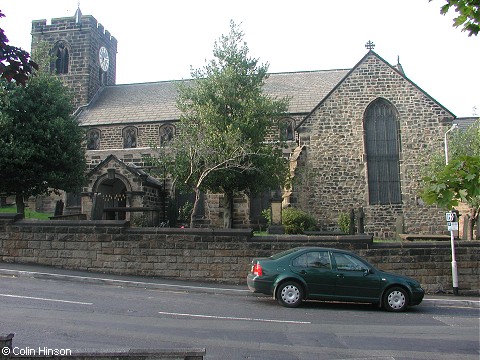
column 297, row 221
column 267, row 215
column 344, row 222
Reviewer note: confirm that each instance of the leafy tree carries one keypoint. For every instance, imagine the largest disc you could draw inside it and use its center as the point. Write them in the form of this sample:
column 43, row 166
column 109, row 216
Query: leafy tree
column 41, row 142
column 15, row 63
column 459, row 181
column 468, row 14
column 225, row 119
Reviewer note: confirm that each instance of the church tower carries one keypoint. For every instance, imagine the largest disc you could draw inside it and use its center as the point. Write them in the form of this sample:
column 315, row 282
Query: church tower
column 84, row 53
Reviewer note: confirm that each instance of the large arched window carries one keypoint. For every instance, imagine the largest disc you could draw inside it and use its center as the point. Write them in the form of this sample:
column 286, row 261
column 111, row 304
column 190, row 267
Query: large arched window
column 382, row 148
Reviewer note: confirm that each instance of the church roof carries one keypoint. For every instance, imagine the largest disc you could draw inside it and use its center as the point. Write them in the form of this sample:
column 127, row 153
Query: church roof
column 156, row 101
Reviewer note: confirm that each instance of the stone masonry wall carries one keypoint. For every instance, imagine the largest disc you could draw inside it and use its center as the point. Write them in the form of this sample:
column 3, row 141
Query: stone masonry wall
column 334, row 166
column 222, row 256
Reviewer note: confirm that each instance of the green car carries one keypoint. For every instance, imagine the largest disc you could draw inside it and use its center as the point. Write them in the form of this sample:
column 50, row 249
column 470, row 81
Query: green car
column 313, row 273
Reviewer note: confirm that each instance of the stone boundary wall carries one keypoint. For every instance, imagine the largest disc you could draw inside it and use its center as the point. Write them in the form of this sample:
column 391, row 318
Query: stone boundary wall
column 216, row 255
column 9, row 351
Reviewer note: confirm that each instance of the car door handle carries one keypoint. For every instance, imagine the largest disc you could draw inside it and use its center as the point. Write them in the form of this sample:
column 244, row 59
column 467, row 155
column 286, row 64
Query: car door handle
column 340, row 275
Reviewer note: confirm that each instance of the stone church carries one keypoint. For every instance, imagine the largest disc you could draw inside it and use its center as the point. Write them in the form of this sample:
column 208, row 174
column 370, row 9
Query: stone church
column 358, row 139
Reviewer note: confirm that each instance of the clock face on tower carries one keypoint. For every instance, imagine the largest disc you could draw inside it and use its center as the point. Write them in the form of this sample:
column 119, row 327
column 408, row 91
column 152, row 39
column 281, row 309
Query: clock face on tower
column 103, row 58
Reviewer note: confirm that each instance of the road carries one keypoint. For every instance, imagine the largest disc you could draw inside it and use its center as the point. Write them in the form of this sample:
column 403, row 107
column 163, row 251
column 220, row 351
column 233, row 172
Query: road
column 230, row 325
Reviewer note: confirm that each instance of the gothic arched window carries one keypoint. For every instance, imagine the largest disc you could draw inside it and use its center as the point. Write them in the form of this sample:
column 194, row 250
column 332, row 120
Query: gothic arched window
column 62, row 58
column 129, row 137
column 93, row 139
column 166, row 134
column 383, row 153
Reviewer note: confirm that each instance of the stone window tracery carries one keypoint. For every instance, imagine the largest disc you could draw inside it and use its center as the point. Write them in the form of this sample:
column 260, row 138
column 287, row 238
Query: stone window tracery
column 93, row 139
column 166, row 134
column 382, row 153
column 287, row 129
column 130, row 137
column 62, row 58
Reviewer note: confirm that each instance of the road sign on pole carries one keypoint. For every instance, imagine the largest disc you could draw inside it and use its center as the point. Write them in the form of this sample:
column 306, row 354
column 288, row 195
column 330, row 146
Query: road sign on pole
column 452, row 224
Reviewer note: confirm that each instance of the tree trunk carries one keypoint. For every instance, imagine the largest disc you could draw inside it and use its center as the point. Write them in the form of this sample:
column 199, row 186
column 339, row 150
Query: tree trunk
column 472, row 218
column 195, row 207
column 471, row 223
column 20, row 204
column 477, row 237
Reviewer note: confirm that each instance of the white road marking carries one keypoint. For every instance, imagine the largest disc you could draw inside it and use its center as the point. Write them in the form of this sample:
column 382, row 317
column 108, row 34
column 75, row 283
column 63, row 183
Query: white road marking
column 126, row 282
column 45, row 299
column 233, row 318
column 454, row 300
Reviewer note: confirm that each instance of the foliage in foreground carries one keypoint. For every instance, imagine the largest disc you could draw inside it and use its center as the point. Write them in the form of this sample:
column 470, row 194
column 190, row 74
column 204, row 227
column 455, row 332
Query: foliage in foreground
column 297, row 221
column 468, row 14
column 459, row 181
column 220, row 142
column 15, row 64
column 41, row 142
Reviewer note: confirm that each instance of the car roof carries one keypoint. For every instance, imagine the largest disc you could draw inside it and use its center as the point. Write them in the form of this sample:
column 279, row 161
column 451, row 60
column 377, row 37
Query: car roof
column 298, row 249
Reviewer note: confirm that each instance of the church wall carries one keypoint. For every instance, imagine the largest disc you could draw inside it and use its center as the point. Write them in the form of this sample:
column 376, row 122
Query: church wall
column 112, row 135
column 332, row 172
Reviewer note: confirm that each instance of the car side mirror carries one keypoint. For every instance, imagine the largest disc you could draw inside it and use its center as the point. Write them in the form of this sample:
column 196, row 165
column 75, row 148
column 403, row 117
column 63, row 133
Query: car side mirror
column 367, row 272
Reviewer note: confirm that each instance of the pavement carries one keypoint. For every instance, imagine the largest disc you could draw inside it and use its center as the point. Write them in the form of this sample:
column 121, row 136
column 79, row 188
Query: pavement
column 52, row 273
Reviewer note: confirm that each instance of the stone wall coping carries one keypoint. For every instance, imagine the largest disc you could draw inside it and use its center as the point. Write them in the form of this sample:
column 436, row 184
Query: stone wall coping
column 425, row 244
column 72, row 223
column 363, row 238
column 113, row 353
column 194, row 231
column 10, row 216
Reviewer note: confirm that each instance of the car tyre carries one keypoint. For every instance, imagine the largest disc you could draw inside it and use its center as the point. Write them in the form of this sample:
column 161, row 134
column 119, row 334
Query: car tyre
column 290, row 294
column 395, row 299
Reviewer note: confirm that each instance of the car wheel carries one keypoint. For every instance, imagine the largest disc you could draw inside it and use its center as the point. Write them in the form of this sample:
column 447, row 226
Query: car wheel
column 290, row 294
column 395, row 299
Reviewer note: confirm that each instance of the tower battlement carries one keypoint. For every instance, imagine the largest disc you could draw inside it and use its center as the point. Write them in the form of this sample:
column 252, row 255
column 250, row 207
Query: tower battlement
column 86, row 22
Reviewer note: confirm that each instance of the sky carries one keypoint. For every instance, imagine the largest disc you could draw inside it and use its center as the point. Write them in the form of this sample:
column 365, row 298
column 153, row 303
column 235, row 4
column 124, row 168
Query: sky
column 162, row 40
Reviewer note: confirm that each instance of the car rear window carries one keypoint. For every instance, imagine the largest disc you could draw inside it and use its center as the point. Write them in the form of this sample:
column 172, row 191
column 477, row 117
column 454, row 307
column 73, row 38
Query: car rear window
column 284, row 253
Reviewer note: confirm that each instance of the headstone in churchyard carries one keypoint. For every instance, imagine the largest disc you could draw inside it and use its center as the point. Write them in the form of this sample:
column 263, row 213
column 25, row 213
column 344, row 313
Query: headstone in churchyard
column 97, row 207
column 58, row 208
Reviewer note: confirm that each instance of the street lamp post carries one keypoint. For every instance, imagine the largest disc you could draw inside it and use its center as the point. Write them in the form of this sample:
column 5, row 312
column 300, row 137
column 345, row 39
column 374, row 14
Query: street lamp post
column 454, row 126
column 452, row 236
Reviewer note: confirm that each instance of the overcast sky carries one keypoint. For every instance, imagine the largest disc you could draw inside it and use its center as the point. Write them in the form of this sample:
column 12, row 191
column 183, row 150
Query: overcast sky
column 160, row 40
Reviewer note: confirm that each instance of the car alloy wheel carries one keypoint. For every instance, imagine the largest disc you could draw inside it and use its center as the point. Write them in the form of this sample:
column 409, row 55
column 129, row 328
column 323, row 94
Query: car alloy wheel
column 290, row 294
column 395, row 299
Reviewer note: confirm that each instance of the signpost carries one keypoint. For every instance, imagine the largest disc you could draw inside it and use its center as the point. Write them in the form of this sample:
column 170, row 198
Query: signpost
column 452, row 224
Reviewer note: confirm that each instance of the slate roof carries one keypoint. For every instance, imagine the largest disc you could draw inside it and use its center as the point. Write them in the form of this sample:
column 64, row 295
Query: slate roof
column 465, row 122
column 156, row 101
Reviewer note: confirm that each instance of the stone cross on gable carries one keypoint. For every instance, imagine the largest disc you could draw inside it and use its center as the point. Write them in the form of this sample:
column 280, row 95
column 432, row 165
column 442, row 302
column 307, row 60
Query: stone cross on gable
column 370, row 45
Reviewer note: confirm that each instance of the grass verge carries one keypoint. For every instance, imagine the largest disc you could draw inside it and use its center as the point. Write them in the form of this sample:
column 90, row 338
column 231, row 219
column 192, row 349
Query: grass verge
column 29, row 214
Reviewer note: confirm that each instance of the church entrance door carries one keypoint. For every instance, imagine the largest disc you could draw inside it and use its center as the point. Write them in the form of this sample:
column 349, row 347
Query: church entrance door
column 111, row 198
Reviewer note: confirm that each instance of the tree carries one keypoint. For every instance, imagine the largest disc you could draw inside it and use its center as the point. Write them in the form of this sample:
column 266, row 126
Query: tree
column 468, row 14
column 15, row 63
column 225, row 118
column 459, row 181
column 41, row 142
